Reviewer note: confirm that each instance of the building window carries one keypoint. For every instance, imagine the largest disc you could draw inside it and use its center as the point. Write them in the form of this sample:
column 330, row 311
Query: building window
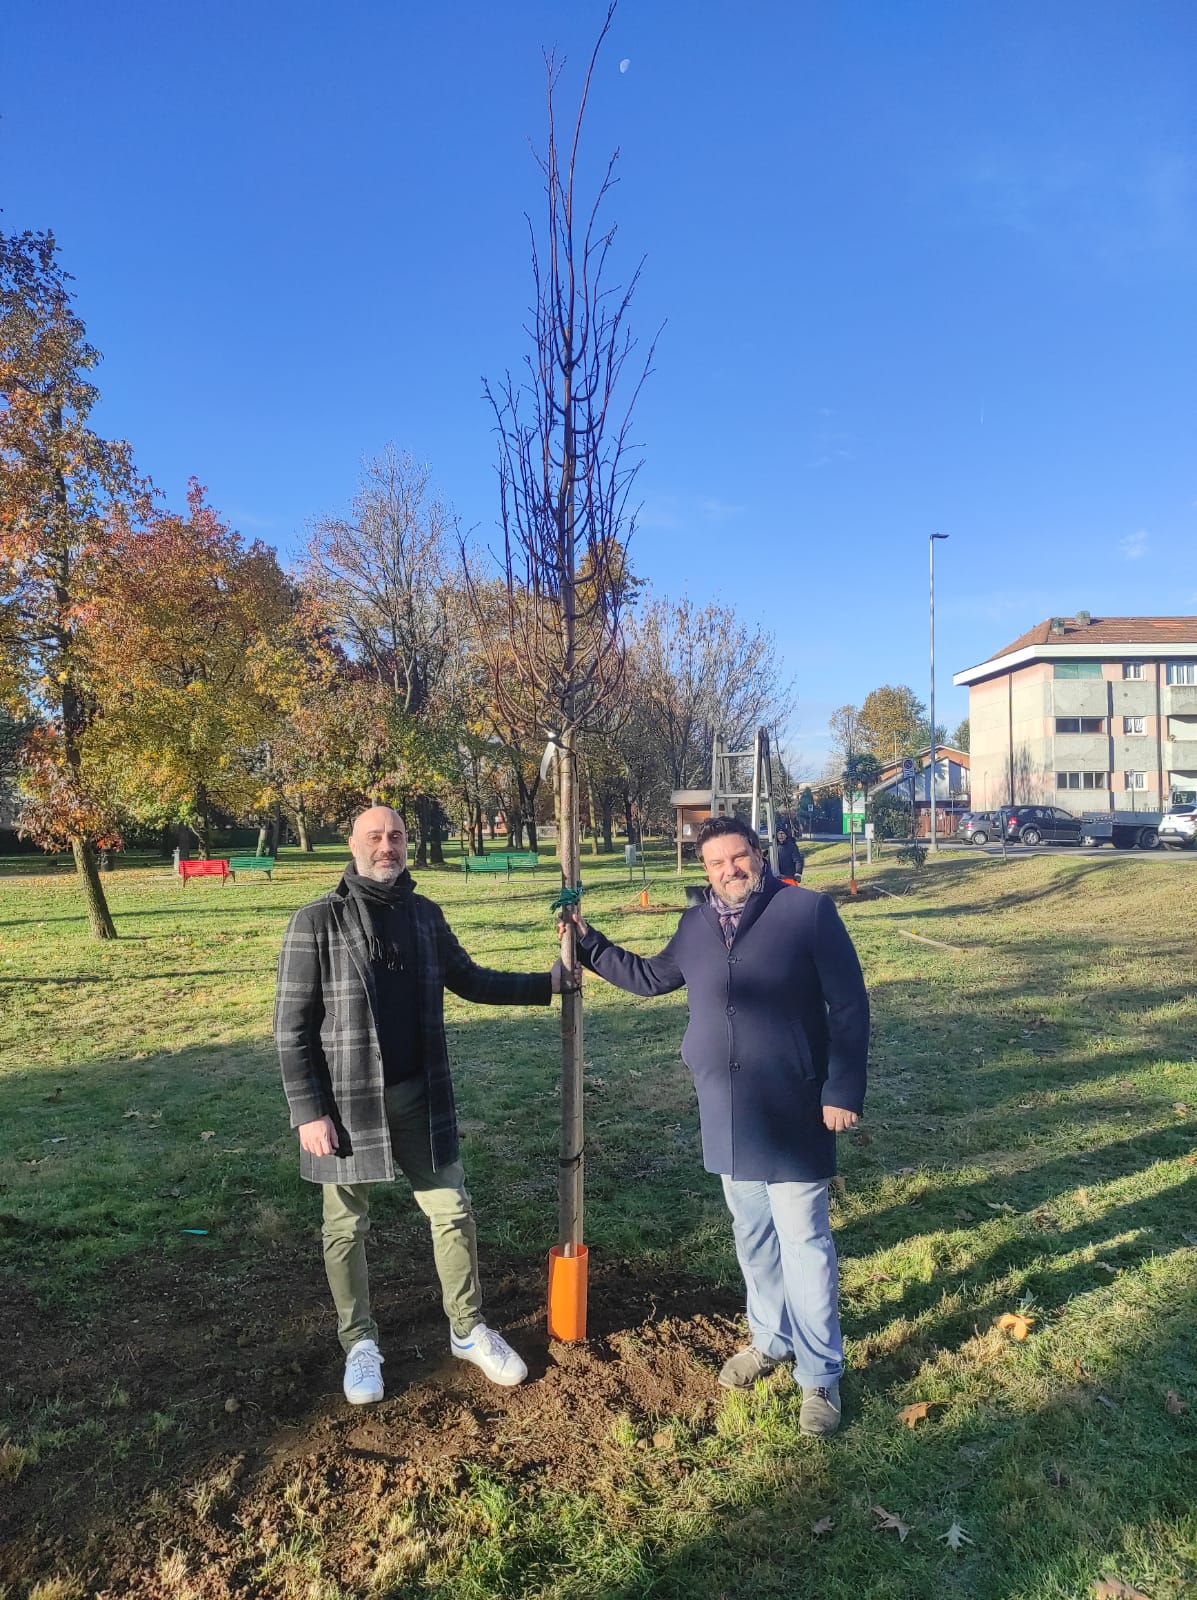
column 1080, row 724
column 1078, row 669
column 1081, row 780
column 1136, row 780
column 1133, row 725
column 1132, row 669
column 1181, row 672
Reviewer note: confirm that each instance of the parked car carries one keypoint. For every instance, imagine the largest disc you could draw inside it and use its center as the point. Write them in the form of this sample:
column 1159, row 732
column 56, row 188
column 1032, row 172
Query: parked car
column 1178, row 828
column 977, row 827
column 1039, row 825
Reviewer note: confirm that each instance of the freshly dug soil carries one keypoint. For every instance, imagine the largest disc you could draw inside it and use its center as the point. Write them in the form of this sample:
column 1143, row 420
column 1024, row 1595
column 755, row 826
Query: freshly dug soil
column 199, row 1396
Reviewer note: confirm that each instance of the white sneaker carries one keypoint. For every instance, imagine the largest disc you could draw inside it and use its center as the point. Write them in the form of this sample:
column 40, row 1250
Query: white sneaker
column 363, row 1373
column 490, row 1351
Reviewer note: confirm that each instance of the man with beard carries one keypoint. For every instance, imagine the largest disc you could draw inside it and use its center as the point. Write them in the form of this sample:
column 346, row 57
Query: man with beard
column 359, row 1023
column 777, row 1043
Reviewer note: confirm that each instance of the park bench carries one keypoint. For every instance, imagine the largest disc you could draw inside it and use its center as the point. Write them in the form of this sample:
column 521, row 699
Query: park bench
column 501, row 861
column 238, row 864
column 218, row 868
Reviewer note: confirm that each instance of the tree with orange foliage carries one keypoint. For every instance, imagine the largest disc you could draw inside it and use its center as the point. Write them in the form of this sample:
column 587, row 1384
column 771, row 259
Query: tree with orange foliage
column 181, row 614
column 59, row 485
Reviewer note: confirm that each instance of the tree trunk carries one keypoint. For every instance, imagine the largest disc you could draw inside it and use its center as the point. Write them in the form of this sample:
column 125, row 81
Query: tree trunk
column 608, row 812
column 627, row 818
column 200, row 826
column 98, row 915
column 594, row 840
column 263, row 836
column 301, row 829
column 479, row 841
column 571, row 1182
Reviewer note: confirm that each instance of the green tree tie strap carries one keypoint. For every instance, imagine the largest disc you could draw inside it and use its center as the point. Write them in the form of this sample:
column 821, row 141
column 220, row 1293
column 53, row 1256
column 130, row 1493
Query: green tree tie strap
column 567, row 899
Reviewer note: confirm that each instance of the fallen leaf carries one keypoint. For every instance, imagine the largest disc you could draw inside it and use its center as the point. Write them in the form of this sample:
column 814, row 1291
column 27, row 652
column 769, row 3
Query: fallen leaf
column 51, row 1098
column 1106, row 1267
column 1104, row 1400
column 912, row 1415
column 663, row 1439
column 232, row 1404
column 999, row 1205
column 1173, row 1404
column 208, row 1133
column 965, row 1216
column 1181, row 1109
column 955, row 1537
column 1017, row 1326
column 1189, row 1238
column 880, row 1277
column 1115, row 1589
column 129, row 1114
column 890, row 1519
column 824, row 1525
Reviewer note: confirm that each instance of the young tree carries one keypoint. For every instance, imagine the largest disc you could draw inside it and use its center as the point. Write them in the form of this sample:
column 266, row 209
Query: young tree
column 565, row 475
column 59, row 485
column 960, row 737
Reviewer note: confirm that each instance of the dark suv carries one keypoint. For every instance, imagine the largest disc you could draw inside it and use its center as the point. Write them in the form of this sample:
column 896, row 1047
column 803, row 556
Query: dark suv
column 976, row 827
column 1040, row 825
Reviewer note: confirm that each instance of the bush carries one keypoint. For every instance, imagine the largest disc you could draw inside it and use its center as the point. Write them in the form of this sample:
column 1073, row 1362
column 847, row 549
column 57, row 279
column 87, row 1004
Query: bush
column 913, row 854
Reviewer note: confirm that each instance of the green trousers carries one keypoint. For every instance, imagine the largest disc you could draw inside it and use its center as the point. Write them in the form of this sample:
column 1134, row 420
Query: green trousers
column 440, row 1193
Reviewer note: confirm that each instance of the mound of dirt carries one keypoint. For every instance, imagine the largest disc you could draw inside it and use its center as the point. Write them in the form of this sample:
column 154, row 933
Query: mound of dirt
column 251, row 1367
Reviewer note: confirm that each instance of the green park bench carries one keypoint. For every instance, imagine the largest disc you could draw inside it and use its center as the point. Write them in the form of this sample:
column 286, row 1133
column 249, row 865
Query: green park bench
column 505, row 861
column 238, row 864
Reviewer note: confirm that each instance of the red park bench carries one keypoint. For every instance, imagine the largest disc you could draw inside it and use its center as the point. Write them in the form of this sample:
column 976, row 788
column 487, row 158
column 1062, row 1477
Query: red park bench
column 203, row 869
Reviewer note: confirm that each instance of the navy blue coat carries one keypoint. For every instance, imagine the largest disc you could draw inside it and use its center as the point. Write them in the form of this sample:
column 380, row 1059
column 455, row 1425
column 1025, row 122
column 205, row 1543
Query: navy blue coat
column 779, row 1027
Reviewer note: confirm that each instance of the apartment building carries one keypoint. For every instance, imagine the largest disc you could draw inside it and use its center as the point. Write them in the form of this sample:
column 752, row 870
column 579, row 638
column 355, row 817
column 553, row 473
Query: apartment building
column 1088, row 713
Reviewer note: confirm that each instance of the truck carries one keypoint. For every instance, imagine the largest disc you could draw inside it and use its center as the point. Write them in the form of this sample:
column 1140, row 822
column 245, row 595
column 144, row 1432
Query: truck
column 1123, row 829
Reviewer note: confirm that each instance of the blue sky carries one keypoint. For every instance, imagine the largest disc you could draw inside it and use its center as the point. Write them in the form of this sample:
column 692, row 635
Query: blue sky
column 921, row 267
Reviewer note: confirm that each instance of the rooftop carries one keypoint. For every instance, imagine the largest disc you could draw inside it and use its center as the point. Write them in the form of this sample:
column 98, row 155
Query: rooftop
column 1099, row 631
column 1085, row 636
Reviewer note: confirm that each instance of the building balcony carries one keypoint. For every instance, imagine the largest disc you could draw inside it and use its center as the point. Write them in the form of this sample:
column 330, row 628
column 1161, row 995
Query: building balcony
column 1180, row 699
column 1182, row 754
column 1088, row 698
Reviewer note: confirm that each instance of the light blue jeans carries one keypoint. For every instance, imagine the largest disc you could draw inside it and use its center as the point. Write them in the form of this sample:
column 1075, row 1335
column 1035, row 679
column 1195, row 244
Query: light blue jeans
column 787, row 1256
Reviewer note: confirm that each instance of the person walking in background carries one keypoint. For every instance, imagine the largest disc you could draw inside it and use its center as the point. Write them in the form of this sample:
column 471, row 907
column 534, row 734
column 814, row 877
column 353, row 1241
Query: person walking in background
column 789, row 857
column 359, row 1024
column 777, row 1043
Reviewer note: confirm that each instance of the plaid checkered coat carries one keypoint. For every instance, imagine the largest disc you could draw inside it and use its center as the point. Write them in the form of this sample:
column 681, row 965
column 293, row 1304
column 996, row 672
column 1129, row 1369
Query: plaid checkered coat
column 324, row 1025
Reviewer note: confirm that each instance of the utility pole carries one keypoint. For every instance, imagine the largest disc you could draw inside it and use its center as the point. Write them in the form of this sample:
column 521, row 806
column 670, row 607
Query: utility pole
column 934, row 843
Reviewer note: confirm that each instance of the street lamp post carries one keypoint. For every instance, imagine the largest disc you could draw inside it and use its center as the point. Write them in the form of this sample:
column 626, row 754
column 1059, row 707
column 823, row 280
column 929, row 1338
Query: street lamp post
column 931, row 774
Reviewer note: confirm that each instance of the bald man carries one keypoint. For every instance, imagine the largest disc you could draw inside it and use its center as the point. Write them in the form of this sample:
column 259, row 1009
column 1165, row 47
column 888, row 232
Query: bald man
column 359, row 1023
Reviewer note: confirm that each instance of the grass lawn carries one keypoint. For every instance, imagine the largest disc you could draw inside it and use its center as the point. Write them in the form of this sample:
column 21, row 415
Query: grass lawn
column 170, row 1417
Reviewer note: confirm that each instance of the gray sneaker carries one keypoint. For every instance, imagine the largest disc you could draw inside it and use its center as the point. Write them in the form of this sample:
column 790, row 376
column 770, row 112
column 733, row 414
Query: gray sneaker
column 743, row 1369
column 820, row 1414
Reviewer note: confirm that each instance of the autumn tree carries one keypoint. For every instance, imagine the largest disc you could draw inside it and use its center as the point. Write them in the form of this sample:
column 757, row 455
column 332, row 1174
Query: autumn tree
column 960, row 736
column 180, row 613
column 892, row 722
column 383, row 575
column 59, row 485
